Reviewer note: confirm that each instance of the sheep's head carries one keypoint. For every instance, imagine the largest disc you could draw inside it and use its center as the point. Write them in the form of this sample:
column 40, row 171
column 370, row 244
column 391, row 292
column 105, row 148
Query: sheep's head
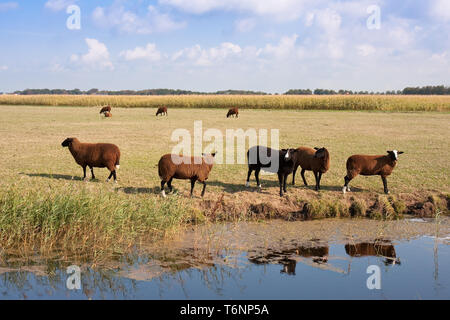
column 67, row 142
column 288, row 154
column 320, row 152
column 209, row 158
column 394, row 154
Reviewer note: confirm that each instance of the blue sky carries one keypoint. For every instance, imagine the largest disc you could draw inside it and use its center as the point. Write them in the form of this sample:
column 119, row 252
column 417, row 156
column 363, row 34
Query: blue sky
column 209, row 45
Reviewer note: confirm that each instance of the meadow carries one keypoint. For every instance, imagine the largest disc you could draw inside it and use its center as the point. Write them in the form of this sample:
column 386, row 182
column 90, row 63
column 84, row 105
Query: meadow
column 292, row 102
column 44, row 204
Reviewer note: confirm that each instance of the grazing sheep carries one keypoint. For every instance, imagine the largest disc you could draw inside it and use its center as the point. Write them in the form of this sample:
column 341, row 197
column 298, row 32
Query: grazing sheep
column 106, row 109
column 107, row 114
column 370, row 166
column 283, row 166
column 161, row 111
column 172, row 166
column 315, row 160
column 233, row 111
column 98, row 155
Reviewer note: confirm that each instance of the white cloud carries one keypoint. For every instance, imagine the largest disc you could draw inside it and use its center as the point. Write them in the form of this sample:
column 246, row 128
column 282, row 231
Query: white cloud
column 208, row 57
column 365, row 50
column 245, row 25
column 280, row 9
column 440, row 9
column 3, row 68
column 97, row 56
column 149, row 53
column 5, row 6
column 58, row 5
column 282, row 50
column 126, row 21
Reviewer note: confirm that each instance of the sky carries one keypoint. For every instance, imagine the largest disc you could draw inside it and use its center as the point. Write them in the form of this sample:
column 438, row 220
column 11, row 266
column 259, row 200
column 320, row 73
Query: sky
column 210, row 45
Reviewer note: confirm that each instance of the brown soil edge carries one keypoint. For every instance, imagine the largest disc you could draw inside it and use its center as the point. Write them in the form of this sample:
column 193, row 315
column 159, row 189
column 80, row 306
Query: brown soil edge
column 308, row 204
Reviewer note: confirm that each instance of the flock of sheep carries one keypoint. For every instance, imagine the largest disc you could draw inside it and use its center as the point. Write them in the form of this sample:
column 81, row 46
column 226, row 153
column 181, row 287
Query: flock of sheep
column 287, row 161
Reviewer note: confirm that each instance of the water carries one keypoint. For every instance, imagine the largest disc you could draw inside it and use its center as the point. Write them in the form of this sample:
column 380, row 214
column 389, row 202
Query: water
column 413, row 268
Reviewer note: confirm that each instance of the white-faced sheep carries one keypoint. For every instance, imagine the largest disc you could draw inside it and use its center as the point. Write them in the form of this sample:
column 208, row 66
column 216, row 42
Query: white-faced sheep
column 98, row 155
column 272, row 160
column 370, row 166
column 315, row 160
column 172, row 166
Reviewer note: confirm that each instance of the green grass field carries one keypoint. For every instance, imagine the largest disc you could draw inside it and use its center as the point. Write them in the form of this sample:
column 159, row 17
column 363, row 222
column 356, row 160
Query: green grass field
column 42, row 197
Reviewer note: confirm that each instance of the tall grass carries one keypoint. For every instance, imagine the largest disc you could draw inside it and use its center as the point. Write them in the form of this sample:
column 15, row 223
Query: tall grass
column 354, row 102
column 85, row 222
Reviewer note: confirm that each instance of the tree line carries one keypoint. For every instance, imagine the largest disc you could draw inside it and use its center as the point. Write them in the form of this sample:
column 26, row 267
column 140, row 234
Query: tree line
column 428, row 90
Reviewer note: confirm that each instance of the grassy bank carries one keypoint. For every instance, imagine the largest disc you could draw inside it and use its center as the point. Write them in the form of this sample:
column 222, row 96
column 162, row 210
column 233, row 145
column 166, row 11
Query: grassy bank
column 354, row 102
column 44, row 204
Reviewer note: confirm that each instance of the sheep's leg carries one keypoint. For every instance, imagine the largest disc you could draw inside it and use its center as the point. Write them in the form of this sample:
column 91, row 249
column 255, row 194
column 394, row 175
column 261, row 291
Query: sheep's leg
column 303, row 177
column 320, row 178
column 316, row 176
column 281, row 182
column 169, row 184
column 257, row 177
column 192, row 186
column 115, row 176
column 92, row 173
column 386, row 190
column 247, row 183
column 284, row 182
column 293, row 175
column 204, row 188
column 84, row 172
column 162, row 188
column 346, row 187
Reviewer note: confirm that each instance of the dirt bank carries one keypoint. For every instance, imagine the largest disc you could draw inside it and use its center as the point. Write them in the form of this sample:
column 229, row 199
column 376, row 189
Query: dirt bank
column 308, row 204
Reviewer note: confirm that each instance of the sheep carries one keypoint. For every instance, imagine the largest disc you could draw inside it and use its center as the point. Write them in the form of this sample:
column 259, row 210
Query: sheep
column 98, row 155
column 315, row 160
column 233, row 111
column 107, row 114
column 172, row 166
column 283, row 165
column 162, row 111
column 370, row 166
column 106, row 109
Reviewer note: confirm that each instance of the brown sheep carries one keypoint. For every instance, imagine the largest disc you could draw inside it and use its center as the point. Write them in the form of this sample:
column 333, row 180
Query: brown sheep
column 233, row 111
column 315, row 160
column 161, row 111
column 370, row 166
column 107, row 114
column 98, row 155
column 172, row 166
column 106, row 109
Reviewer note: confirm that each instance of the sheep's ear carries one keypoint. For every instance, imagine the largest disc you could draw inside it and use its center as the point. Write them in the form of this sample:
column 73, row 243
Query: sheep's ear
column 315, row 148
column 400, row 152
column 213, row 154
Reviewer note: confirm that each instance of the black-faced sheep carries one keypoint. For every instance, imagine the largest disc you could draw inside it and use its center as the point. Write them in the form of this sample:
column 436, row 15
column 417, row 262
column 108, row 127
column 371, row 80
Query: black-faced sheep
column 172, row 166
column 370, row 166
column 106, row 109
column 162, row 111
column 272, row 160
column 233, row 111
column 98, row 155
column 315, row 160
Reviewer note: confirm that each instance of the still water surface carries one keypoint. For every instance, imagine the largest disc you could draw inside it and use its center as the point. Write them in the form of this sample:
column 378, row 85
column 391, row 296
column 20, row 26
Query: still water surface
column 332, row 268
